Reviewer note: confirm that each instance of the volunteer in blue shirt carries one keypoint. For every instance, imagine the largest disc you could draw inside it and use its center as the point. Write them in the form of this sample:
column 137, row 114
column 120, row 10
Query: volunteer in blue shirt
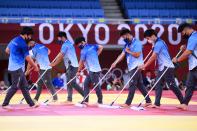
column 161, row 54
column 189, row 53
column 40, row 53
column 18, row 53
column 133, row 52
column 89, row 58
column 68, row 54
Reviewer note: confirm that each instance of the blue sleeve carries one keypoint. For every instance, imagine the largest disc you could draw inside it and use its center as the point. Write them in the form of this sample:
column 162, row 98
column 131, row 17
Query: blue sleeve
column 138, row 47
column 192, row 43
column 96, row 47
column 83, row 56
column 46, row 49
column 63, row 49
column 158, row 47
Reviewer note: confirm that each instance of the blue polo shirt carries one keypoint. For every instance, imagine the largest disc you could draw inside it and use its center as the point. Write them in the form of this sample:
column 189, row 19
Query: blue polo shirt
column 163, row 56
column 134, row 46
column 70, row 57
column 90, row 56
column 18, row 52
column 40, row 54
column 192, row 46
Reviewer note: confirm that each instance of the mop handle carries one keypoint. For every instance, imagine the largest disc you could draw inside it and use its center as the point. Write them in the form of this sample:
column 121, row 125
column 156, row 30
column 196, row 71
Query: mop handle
column 37, row 80
column 96, row 85
column 44, row 84
column 5, row 90
column 129, row 80
column 124, row 87
column 62, row 88
column 157, row 81
column 153, row 86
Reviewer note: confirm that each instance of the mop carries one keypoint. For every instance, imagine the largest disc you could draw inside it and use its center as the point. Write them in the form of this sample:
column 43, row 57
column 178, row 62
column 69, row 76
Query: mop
column 138, row 108
column 35, row 84
column 3, row 92
column 112, row 106
column 19, row 79
column 81, row 104
column 47, row 100
column 11, row 86
column 45, row 85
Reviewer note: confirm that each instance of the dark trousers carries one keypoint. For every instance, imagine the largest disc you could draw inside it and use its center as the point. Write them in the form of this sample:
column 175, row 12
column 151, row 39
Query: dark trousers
column 137, row 81
column 18, row 81
column 168, row 77
column 71, row 73
column 191, row 83
column 48, row 81
column 93, row 77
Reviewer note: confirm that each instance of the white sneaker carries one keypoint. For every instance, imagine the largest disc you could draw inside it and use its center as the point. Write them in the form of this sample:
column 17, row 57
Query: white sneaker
column 36, row 105
column 8, row 107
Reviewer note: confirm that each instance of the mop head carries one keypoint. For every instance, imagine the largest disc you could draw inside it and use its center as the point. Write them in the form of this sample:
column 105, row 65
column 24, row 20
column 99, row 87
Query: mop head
column 137, row 108
column 109, row 106
column 44, row 104
column 81, row 105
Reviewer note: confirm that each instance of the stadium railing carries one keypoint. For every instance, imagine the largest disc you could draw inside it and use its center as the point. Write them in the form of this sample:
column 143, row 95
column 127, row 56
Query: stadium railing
column 95, row 20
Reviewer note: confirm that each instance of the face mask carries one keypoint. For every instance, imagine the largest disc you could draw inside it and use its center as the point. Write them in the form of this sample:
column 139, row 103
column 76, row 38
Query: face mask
column 60, row 42
column 127, row 41
column 185, row 36
column 81, row 46
column 150, row 41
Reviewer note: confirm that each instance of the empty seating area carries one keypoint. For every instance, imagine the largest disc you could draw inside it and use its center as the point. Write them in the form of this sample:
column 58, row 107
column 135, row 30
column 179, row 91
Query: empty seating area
column 160, row 8
column 51, row 8
column 75, row 11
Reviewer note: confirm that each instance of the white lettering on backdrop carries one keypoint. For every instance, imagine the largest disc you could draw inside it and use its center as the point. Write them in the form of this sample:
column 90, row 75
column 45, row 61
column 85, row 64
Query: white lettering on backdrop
column 172, row 29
